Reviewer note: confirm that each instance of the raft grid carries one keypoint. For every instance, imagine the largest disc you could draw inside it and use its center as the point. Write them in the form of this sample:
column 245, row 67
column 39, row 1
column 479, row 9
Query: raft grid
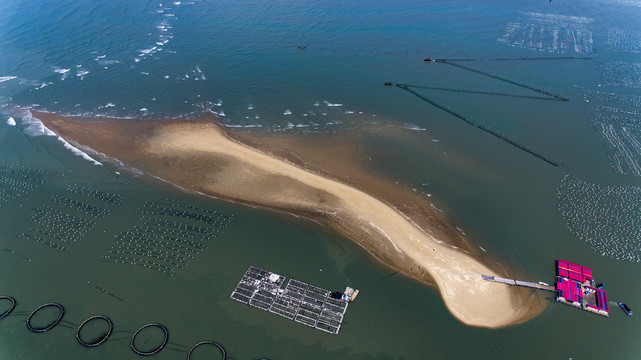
column 298, row 301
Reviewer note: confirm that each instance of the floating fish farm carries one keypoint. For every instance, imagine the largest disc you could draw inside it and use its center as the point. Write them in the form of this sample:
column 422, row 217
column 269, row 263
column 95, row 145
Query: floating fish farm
column 298, row 301
column 575, row 286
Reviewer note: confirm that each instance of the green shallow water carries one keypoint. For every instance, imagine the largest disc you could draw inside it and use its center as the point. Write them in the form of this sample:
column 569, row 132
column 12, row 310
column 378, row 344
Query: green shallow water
column 254, row 64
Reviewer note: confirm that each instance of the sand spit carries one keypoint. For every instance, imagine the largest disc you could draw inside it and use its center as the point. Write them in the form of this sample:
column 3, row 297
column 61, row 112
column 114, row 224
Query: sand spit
column 198, row 155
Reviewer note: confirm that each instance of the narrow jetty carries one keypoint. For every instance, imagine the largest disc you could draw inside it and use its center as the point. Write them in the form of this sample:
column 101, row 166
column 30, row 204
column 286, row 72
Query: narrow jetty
column 574, row 286
column 514, row 282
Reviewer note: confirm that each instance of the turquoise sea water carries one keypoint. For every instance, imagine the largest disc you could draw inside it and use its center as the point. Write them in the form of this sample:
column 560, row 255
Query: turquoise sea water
column 319, row 66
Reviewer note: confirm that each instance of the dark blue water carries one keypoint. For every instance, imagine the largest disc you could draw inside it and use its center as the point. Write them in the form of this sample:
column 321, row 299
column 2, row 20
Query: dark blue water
column 319, row 66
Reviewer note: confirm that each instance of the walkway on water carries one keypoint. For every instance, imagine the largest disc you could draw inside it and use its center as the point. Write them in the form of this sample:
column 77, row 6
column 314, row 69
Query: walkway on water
column 518, row 283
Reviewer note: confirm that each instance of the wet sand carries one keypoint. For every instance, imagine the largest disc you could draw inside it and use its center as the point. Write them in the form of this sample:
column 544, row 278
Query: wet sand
column 200, row 155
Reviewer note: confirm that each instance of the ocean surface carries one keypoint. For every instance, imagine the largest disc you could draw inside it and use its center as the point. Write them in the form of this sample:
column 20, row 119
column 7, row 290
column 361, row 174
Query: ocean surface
column 527, row 177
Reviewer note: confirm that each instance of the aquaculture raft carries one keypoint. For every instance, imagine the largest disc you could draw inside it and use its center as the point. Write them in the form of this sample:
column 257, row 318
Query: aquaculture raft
column 575, row 287
column 298, row 301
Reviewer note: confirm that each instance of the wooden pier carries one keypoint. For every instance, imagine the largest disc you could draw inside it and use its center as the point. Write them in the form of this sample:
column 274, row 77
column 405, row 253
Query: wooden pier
column 514, row 282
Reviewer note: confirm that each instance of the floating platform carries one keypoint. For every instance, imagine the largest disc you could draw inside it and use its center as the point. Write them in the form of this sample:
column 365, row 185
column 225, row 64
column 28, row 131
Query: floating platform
column 298, row 301
column 574, row 286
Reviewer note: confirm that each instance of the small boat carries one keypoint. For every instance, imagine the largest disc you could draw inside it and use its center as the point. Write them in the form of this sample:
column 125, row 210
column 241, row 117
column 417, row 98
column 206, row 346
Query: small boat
column 625, row 308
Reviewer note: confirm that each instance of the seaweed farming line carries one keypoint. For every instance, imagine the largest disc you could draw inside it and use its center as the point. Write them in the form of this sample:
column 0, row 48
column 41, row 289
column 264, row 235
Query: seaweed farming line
column 168, row 235
column 17, row 180
column 28, row 174
column 623, row 148
column 606, row 217
column 62, row 221
column 500, row 78
column 80, row 206
column 109, row 198
column 616, row 120
column 104, row 335
column 480, row 92
column 549, row 32
column 480, row 126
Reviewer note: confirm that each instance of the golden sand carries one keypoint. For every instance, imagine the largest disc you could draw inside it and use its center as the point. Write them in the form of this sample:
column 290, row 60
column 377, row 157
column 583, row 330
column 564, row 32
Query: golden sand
column 200, row 156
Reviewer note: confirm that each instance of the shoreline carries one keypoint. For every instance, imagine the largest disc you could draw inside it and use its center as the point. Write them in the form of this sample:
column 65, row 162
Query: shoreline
column 201, row 156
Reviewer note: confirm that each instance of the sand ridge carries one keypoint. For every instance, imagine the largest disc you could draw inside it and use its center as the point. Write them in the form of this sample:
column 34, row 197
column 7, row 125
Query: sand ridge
column 198, row 155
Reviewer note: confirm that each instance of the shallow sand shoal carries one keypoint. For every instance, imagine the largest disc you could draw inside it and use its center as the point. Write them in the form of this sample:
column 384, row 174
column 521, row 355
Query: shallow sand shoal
column 198, row 155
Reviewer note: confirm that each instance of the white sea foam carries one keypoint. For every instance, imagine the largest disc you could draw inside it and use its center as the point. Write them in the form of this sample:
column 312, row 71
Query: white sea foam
column 81, row 73
column 34, row 127
column 147, row 51
column 199, row 75
column 176, row 2
column 221, row 113
column 331, row 104
column 250, row 107
column 287, row 112
column 143, row 109
column 244, row 126
column 77, row 151
column 7, row 78
column 11, row 121
column 413, row 127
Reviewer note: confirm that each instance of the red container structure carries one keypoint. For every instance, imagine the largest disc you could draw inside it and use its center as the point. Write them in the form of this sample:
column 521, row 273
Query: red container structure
column 575, row 287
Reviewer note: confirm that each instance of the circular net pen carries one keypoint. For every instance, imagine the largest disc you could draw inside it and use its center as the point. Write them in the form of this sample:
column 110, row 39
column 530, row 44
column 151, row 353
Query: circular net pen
column 50, row 325
column 98, row 340
column 208, row 342
column 11, row 307
column 152, row 351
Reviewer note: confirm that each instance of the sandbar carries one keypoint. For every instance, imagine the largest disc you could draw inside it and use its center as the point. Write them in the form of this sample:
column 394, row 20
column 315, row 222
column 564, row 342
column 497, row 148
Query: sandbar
column 198, row 154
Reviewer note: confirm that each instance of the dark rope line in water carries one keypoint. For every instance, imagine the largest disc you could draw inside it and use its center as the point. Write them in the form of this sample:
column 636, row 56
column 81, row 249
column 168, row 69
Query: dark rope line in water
column 389, row 275
column 484, row 92
column 541, row 91
column 118, row 339
column 522, row 147
column 544, row 58
column 522, row 58
column 107, row 292
column 480, row 126
column 175, row 344
column 442, row 107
